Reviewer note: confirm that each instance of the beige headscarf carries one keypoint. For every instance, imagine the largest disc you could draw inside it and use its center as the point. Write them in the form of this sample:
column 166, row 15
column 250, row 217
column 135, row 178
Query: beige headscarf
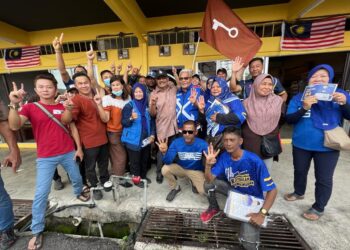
column 263, row 112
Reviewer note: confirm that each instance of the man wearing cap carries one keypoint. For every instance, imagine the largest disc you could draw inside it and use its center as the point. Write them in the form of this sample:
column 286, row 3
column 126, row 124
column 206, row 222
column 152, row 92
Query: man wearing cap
column 150, row 82
column 162, row 106
column 256, row 66
column 222, row 73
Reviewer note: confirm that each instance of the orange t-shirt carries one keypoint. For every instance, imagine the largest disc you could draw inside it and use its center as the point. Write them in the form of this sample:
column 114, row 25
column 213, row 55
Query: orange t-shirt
column 115, row 107
column 91, row 129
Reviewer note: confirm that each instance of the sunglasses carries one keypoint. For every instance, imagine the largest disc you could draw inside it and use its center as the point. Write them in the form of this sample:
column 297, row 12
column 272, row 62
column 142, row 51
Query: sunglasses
column 188, row 132
column 183, row 78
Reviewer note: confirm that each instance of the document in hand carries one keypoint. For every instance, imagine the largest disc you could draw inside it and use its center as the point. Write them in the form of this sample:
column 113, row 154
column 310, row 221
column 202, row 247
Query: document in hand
column 216, row 107
column 239, row 205
column 322, row 92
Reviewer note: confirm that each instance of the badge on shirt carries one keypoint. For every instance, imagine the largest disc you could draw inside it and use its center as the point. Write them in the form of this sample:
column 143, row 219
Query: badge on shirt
column 57, row 112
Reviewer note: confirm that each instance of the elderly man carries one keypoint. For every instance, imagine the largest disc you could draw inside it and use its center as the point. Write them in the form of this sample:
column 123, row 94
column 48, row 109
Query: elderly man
column 256, row 66
column 186, row 96
column 163, row 107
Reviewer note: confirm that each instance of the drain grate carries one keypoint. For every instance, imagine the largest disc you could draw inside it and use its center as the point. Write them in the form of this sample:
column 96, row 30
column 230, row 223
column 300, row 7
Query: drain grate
column 22, row 210
column 184, row 227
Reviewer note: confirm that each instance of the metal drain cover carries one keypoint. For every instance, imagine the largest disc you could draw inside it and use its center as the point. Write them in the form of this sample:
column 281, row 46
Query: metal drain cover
column 22, row 210
column 184, row 227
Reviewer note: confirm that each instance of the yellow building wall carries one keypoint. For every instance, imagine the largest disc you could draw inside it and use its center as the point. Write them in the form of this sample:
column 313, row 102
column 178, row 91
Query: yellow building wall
column 148, row 56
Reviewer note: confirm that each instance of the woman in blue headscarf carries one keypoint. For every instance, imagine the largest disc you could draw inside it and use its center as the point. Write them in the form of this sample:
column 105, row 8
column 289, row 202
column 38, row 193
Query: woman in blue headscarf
column 138, row 132
column 222, row 109
column 311, row 118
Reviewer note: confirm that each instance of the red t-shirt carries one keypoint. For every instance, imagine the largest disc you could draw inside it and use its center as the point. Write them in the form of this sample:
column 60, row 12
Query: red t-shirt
column 51, row 139
column 91, row 129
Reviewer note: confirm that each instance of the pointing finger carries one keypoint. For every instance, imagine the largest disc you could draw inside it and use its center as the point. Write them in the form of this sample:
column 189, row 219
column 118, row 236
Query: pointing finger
column 61, row 38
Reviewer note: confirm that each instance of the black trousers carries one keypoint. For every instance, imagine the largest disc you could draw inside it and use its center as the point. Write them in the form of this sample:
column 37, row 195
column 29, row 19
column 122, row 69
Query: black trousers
column 139, row 161
column 325, row 163
column 100, row 156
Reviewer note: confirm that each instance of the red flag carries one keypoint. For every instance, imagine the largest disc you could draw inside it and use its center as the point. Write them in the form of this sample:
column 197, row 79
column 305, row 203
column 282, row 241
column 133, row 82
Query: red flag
column 22, row 57
column 226, row 32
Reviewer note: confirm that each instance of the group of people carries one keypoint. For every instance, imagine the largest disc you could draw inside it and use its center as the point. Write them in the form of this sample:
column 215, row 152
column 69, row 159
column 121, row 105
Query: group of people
column 220, row 134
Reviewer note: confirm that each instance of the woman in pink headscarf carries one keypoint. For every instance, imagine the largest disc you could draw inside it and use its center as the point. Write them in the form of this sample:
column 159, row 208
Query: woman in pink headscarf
column 264, row 112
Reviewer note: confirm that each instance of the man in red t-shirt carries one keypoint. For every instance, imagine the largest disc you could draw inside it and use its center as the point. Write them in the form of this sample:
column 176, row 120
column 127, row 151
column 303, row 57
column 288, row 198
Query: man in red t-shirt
column 54, row 146
column 89, row 117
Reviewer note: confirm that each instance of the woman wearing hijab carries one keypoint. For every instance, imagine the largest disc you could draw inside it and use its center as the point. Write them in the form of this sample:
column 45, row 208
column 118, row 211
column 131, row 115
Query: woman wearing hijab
column 138, row 132
column 264, row 111
column 311, row 118
column 222, row 109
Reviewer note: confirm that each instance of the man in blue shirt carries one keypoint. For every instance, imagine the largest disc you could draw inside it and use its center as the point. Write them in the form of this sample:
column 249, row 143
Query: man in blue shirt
column 256, row 66
column 186, row 96
column 245, row 173
column 187, row 152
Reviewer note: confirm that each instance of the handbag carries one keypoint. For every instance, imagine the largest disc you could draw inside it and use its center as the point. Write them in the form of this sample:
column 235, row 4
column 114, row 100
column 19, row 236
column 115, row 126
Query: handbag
column 270, row 145
column 52, row 117
column 336, row 139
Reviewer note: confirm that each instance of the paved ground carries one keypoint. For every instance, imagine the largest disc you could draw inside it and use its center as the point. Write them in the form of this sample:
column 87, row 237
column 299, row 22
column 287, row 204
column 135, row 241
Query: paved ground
column 331, row 232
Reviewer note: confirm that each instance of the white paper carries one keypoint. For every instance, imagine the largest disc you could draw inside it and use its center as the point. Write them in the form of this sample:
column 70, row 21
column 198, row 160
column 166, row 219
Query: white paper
column 239, row 205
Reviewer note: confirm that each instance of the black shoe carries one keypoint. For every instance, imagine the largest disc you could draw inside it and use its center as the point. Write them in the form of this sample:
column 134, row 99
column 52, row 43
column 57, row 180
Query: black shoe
column 58, row 185
column 125, row 184
column 159, row 178
column 194, row 189
column 140, row 185
column 7, row 239
column 97, row 195
column 148, row 180
column 172, row 194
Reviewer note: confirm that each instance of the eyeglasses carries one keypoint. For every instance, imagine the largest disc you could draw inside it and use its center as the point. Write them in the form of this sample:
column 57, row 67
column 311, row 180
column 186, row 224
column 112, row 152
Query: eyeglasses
column 183, row 78
column 187, row 132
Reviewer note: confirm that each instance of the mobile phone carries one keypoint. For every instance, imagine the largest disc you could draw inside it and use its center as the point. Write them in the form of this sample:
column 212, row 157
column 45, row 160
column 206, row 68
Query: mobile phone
column 78, row 160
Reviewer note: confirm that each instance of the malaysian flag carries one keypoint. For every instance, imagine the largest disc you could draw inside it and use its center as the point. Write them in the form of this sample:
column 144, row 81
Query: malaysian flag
column 315, row 34
column 22, row 57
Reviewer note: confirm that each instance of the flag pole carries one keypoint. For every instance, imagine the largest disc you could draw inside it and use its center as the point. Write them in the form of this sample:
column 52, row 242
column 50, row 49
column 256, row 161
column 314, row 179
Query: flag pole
column 195, row 53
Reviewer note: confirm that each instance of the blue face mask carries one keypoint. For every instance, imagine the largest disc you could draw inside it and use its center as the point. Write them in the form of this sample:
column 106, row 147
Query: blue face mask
column 107, row 82
column 117, row 93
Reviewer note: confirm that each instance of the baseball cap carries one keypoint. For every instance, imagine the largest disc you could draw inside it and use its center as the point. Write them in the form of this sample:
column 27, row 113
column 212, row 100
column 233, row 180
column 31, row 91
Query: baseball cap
column 71, row 87
column 161, row 73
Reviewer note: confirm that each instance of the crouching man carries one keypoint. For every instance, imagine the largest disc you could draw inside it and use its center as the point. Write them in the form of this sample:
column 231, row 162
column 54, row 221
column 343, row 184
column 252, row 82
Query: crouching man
column 245, row 173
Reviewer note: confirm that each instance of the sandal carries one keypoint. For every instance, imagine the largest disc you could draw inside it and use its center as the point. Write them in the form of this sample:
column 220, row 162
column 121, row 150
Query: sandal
column 86, row 189
column 293, row 197
column 38, row 243
column 84, row 197
column 312, row 214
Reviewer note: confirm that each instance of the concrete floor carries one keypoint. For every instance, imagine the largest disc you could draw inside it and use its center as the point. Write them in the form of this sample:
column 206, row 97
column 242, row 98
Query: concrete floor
column 332, row 231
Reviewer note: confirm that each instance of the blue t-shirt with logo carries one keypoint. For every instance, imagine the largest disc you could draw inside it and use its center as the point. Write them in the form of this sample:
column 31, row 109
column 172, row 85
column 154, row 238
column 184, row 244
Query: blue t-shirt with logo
column 188, row 156
column 248, row 175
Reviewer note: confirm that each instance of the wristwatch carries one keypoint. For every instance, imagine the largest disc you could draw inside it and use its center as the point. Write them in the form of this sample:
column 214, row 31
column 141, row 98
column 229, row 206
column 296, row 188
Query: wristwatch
column 13, row 106
column 264, row 212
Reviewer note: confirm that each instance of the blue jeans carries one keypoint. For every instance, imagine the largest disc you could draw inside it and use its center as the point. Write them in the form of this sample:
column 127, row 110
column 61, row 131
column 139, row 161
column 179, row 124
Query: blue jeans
column 45, row 170
column 6, row 212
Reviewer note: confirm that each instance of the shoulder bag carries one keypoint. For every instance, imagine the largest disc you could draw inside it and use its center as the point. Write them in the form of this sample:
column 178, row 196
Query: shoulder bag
column 336, row 139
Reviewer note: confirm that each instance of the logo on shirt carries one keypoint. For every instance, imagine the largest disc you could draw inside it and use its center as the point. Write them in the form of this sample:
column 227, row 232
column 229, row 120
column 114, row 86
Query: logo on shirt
column 239, row 179
column 57, row 112
column 186, row 156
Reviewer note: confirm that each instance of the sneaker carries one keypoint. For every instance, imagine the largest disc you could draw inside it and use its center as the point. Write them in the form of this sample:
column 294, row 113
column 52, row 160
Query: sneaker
column 7, row 239
column 172, row 194
column 58, row 185
column 97, row 195
column 209, row 214
column 194, row 189
column 125, row 184
column 159, row 178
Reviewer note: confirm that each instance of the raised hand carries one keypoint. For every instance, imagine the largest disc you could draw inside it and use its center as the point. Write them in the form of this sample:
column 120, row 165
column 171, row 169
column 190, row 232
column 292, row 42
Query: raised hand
column 309, row 101
column 201, row 104
column 211, row 155
column 90, row 54
column 119, row 67
column 173, row 69
column 68, row 103
column 97, row 97
column 57, row 43
column 129, row 67
column 16, row 95
column 162, row 145
column 113, row 68
column 154, row 100
column 237, row 64
column 193, row 96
